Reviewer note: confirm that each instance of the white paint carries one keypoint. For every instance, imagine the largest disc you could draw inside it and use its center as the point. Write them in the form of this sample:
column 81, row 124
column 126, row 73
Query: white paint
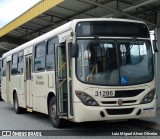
column 64, row 36
column 28, row 50
column 9, row 58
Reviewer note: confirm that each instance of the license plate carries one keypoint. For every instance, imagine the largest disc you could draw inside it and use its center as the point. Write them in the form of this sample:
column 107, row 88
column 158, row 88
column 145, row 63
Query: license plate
column 109, row 93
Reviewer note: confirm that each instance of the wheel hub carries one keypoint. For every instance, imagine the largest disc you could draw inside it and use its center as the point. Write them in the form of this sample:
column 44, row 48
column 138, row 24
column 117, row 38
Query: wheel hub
column 53, row 111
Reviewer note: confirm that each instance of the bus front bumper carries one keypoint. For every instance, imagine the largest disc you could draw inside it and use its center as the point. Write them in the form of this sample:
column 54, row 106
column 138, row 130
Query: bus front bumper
column 84, row 113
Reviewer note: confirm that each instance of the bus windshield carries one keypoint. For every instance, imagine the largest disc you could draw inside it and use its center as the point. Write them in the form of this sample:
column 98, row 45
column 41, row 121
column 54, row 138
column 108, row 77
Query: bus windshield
column 114, row 62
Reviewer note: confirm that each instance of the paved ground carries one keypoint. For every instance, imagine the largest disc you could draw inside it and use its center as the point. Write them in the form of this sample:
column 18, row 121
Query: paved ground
column 37, row 121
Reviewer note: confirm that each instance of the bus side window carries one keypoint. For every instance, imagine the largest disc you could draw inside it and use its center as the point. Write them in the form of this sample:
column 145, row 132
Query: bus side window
column 14, row 64
column 39, row 61
column 3, row 67
column 20, row 62
column 61, row 61
column 50, row 61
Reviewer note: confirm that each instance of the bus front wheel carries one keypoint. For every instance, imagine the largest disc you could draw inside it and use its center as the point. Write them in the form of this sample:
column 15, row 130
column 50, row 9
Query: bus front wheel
column 57, row 122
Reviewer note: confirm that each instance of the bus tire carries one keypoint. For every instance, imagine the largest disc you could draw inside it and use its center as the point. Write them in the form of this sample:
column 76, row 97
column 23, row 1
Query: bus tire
column 0, row 97
column 57, row 122
column 17, row 109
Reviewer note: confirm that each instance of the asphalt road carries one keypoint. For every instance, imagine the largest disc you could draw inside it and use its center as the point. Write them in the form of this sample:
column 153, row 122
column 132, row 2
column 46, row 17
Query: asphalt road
column 41, row 122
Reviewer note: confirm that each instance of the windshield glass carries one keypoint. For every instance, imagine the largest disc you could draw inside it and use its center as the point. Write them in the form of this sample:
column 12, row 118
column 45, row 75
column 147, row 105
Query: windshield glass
column 114, row 62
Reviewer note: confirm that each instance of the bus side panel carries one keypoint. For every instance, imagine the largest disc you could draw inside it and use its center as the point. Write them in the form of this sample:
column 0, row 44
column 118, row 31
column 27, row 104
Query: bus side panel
column 3, row 89
column 13, row 85
column 17, row 84
column 41, row 84
column 39, row 90
column 49, row 84
column 20, row 91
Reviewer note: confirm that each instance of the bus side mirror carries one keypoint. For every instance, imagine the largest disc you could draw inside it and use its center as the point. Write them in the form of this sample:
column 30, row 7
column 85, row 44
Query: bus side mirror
column 155, row 46
column 74, row 50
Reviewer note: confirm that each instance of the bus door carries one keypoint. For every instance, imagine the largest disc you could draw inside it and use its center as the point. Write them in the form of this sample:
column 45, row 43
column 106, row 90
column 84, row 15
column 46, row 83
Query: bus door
column 69, row 78
column 63, row 79
column 28, row 87
column 8, row 79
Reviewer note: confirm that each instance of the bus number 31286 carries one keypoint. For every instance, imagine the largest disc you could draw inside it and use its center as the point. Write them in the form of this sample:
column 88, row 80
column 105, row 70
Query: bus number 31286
column 105, row 93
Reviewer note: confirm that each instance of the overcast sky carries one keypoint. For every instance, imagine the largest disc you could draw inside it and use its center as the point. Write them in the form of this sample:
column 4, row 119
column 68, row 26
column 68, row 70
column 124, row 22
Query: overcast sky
column 10, row 9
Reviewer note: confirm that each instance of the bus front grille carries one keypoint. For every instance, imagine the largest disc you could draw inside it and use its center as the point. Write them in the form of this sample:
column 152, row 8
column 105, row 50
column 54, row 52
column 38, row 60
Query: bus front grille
column 127, row 93
column 115, row 102
column 119, row 111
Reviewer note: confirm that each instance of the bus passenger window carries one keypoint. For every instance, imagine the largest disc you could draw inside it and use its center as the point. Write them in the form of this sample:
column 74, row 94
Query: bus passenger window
column 50, row 56
column 39, row 61
column 20, row 62
column 3, row 67
column 14, row 64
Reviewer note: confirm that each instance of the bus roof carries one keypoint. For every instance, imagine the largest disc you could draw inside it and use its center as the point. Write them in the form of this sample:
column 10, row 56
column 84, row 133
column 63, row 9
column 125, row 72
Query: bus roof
column 61, row 29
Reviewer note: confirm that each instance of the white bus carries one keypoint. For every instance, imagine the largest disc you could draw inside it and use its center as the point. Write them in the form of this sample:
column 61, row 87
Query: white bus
column 85, row 70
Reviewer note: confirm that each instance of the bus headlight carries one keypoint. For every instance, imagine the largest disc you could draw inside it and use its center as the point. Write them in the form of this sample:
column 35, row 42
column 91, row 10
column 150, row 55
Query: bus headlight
column 148, row 97
column 86, row 99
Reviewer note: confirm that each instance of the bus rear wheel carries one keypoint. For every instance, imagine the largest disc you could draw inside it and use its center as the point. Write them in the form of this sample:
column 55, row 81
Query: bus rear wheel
column 17, row 109
column 57, row 122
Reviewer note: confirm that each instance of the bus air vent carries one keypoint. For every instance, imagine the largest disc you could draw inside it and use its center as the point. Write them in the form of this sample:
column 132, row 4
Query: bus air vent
column 119, row 111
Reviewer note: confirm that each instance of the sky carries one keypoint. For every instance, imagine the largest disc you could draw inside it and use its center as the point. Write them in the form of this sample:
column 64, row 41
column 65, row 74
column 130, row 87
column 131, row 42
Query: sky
column 10, row 9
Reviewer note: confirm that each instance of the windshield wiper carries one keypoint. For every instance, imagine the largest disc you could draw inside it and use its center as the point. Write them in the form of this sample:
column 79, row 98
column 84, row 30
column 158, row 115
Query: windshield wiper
column 102, row 46
column 99, row 41
column 129, row 48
